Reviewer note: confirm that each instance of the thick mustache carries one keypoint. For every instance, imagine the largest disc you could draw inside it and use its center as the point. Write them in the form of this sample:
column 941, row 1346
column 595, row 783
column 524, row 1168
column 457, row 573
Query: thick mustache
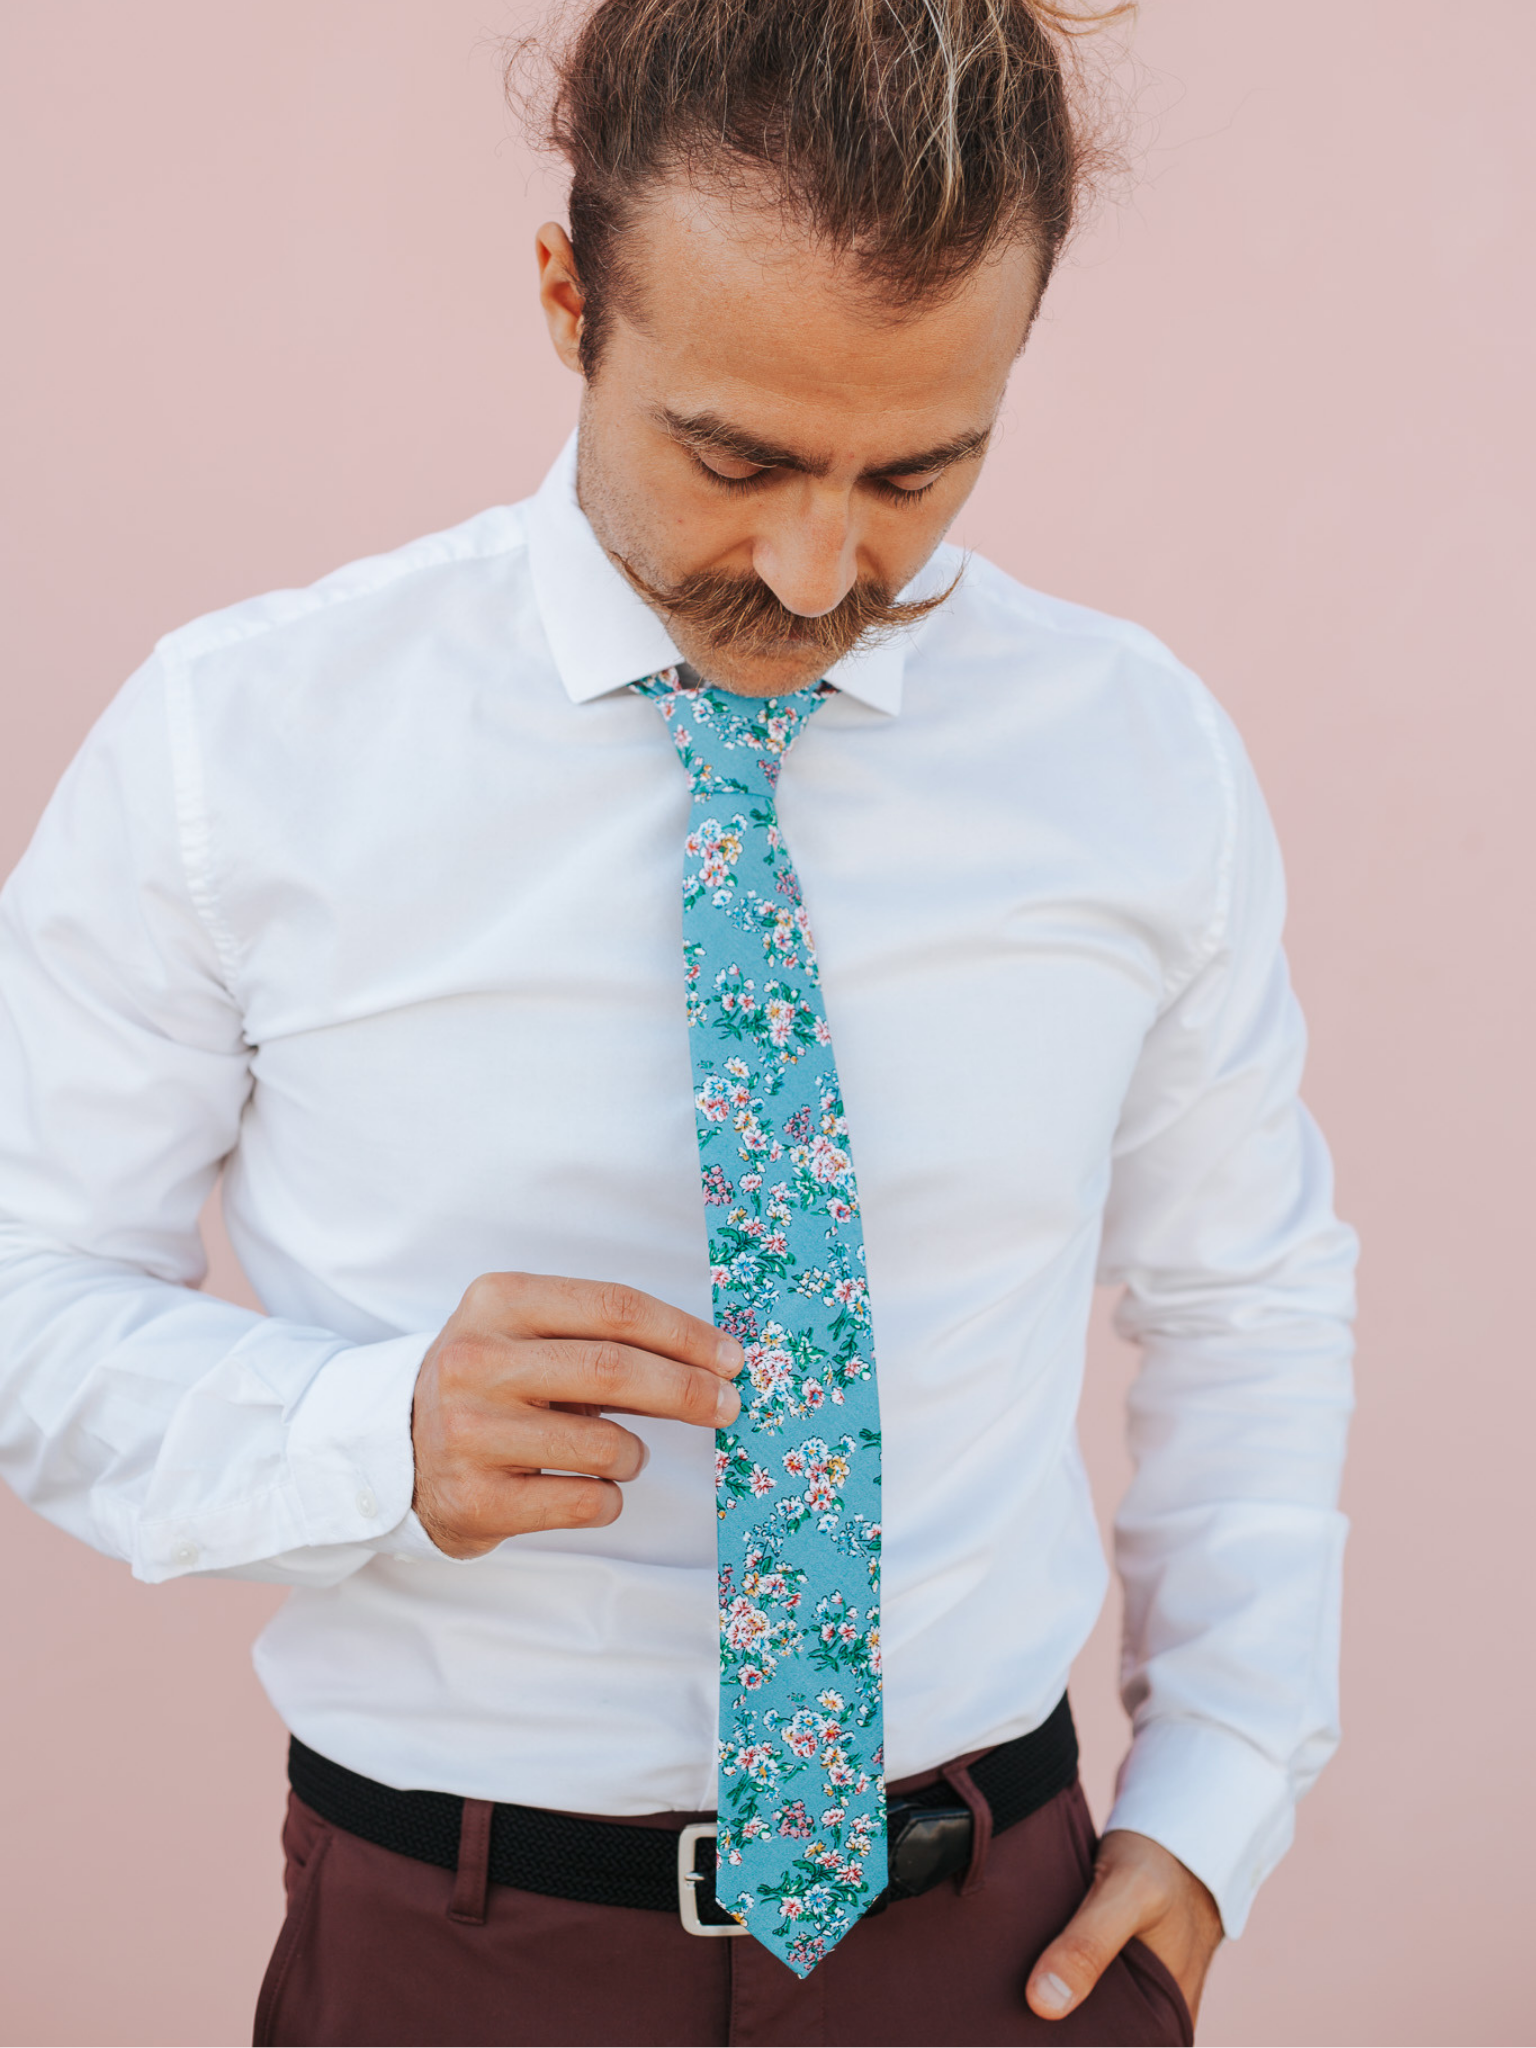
column 742, row 613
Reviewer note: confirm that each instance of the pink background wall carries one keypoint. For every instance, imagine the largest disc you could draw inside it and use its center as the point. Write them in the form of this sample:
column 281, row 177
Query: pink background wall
column 270, row 309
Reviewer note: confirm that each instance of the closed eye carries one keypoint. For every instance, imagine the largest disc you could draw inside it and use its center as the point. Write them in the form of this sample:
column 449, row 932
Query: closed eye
column 731, row 472
column 908, row 489
column 744, row 476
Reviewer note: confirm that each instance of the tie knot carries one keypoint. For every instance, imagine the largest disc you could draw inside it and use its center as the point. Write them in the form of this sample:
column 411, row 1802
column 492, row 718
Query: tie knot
column 730, row 743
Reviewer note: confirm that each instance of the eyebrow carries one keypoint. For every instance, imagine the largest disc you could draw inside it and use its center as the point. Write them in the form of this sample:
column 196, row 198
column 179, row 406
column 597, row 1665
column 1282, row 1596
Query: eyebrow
column 706, row 430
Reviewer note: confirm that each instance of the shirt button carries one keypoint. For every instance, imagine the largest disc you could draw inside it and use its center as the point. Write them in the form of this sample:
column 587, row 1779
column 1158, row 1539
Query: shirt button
column 185, row 1552
column 367, row 1506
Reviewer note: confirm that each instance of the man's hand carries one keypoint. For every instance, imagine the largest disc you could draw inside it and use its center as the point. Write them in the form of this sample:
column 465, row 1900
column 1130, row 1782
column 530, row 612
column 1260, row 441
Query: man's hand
column 1138, row 1888
column 509, row 1400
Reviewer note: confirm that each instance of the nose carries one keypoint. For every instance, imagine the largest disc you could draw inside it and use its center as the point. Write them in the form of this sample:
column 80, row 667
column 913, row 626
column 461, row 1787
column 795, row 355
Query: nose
column 808, row 552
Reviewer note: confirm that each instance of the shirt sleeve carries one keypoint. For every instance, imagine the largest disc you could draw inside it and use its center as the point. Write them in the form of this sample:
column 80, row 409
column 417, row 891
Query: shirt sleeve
column 1238, row 1287
column 175, row 1431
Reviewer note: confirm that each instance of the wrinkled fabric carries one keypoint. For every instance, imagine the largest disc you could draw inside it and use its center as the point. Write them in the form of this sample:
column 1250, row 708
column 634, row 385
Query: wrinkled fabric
column 368, row 896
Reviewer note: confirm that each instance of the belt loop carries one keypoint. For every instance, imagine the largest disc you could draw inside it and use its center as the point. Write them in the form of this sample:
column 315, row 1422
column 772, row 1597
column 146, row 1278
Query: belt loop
column 965, row 1788
column 468, row 1903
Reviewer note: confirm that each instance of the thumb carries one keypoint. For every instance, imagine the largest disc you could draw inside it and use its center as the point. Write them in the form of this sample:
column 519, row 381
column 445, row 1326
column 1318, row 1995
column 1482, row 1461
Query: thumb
column 1086, row 1946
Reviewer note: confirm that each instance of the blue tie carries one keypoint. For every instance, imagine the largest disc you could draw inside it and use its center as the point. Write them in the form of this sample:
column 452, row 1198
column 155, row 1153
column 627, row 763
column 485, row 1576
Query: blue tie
column 801, row 1843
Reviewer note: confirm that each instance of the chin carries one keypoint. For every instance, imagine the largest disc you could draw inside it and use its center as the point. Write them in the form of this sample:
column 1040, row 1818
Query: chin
column 759, row 675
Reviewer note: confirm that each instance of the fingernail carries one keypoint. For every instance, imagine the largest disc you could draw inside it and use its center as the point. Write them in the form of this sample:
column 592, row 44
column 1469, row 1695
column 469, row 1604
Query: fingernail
column 645, row 1457
column 727, row 1405
column 1051, row 1992
column 729, row 1354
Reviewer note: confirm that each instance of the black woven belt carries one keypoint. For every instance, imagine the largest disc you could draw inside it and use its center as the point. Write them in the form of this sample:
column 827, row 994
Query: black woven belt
column 566, row 1856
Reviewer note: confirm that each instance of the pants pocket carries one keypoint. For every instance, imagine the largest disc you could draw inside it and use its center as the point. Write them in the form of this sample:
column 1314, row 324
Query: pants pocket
column 1080, row 1830
column 1149, row 1978
column 1159, row 1990
column 305, row 1840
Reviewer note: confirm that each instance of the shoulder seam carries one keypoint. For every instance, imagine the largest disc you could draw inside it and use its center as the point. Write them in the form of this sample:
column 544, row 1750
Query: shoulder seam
column 1085, row 622
column 1216, row 930
column 194, row 833
column 227, row 628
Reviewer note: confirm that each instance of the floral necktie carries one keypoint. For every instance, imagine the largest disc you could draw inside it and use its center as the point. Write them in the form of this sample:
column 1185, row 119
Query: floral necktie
column 801, row 1843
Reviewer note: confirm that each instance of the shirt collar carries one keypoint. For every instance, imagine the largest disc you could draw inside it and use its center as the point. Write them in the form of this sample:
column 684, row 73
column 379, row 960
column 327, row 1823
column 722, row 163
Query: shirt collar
column 602, row 633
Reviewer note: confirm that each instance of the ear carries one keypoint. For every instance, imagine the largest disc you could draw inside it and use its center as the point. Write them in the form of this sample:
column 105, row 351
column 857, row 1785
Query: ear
column 560, row 293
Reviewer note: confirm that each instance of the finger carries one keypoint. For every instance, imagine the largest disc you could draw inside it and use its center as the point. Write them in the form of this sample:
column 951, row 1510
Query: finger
column 547, row 1305
column 551, row 1440
column 480, row 1380
column 1102, row 1925
column 467, row 1519
column 600, row 1374
column 523, row 1503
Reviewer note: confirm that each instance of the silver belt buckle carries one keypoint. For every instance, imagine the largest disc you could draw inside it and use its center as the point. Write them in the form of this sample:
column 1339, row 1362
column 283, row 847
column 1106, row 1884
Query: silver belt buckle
column 689, row 1880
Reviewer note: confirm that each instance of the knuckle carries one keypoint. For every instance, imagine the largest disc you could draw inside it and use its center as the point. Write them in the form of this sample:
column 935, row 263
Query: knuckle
column 671, row 1332
column 481, row 1297
column 607, row 1367
column 601, row 1449
column 588, row 1503
column 620, row 1307
column 495, row 1296
column 689, row 1338
column 592, row 1502
column 1082, row 1958
column 461, row 1364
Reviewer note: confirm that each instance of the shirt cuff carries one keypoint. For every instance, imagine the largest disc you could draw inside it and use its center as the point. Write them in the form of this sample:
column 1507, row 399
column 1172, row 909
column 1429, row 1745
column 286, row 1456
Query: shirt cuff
column 335, row 1474
column 349, row 1442
column 1214, row 1801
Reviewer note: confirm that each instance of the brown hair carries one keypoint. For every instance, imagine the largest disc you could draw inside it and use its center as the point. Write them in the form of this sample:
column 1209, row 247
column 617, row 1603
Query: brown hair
column 914, row 135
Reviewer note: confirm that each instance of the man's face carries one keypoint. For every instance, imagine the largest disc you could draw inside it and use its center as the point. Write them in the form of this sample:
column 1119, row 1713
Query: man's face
column 767, row 444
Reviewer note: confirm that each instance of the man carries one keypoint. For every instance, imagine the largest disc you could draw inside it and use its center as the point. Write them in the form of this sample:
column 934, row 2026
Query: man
column 763, row 969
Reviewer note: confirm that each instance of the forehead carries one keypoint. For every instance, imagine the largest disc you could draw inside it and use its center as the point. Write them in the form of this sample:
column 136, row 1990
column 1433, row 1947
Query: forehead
column 733, row 307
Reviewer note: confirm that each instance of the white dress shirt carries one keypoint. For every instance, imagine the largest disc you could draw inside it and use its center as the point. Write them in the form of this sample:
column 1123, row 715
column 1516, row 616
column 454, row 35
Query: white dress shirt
column 371, row 894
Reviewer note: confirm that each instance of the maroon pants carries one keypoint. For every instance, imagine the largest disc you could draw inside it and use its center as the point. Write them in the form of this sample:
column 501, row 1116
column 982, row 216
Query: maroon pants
column 380, row 1949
